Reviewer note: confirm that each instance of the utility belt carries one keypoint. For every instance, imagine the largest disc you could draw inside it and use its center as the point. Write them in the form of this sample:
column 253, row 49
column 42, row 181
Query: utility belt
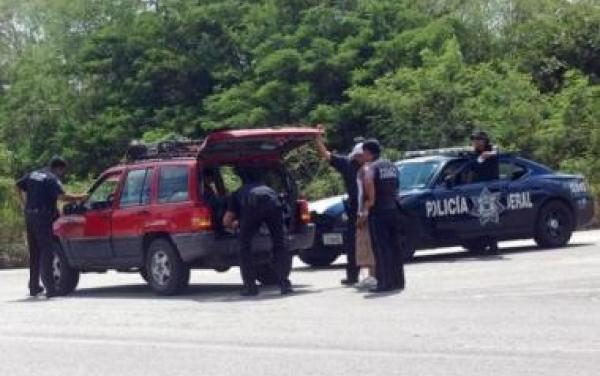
column 48, row 213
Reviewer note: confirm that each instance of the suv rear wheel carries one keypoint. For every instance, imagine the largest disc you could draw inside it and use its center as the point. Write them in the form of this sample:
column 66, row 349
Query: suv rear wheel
column 167, row 273
column 65, row 277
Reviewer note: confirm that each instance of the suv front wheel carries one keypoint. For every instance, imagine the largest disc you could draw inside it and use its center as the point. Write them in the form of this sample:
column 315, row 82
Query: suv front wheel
column 167, row 273
column 65, row 277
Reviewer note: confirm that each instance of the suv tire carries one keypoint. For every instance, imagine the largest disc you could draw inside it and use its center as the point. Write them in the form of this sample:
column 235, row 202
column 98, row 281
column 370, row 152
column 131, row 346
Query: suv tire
column 167, row 273
column 554, row 225
column 65, row 277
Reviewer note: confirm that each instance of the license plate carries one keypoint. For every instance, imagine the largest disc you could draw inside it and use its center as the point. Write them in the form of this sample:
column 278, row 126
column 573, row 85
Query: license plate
column 333, row 239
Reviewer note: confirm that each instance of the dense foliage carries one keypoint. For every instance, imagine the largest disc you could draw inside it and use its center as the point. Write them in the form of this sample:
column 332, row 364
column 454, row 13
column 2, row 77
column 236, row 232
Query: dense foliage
column 82, row 78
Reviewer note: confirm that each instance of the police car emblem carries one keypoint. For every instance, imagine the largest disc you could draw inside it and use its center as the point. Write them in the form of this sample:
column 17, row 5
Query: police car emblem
column 487, row 207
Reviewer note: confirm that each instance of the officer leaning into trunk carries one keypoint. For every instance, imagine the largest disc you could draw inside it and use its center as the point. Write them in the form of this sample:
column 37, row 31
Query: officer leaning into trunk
column 251, row 206
column 38, row 193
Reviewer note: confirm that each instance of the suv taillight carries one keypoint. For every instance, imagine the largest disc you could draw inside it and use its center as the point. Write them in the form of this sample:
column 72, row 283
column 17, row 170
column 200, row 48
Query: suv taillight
column 202, row 219
column 303, row 212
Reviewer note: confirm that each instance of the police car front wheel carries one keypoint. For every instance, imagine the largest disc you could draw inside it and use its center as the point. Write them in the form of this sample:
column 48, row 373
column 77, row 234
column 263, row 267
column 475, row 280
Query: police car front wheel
column 554, row 225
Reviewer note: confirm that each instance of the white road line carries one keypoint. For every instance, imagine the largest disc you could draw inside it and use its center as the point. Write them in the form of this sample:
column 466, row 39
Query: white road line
column 477, row 352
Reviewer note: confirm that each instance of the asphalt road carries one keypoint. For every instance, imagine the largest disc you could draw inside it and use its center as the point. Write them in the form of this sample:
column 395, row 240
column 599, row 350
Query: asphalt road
column 524, row 312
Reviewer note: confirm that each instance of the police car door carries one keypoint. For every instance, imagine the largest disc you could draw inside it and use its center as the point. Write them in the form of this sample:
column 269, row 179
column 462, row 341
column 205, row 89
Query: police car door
column 522, row 198
column 462, row 209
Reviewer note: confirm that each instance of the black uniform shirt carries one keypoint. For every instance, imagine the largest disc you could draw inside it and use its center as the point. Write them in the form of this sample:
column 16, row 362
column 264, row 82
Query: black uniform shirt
column 42, row 188
column 251, row 195
column 348, row 168
column 486, row 170
column 385, row 176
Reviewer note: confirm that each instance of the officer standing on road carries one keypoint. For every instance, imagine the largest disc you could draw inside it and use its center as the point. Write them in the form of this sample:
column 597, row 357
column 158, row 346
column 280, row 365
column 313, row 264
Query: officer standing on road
column 251, row 206
column 381, row 210
column 38, row 193
column 348, row 167
column 486, row 168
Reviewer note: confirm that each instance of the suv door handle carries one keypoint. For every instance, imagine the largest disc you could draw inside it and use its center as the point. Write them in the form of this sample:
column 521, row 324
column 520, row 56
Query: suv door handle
column 143, row 212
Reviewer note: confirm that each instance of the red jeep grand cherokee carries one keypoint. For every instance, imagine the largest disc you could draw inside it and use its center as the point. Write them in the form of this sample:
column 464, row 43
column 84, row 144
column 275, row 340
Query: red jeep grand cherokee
column 160, row 214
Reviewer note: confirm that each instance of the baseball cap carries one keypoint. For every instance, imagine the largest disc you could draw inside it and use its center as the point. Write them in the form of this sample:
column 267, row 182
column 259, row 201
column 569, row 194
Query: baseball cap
column 356, row 151
column 479, row 135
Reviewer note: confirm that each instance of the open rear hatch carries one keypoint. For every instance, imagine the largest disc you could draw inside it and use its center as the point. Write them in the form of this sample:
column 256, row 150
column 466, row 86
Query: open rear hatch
column 248, row 144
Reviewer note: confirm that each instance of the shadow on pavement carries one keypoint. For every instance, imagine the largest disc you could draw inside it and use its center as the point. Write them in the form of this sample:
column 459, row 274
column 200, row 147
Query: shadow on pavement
column 200, row 293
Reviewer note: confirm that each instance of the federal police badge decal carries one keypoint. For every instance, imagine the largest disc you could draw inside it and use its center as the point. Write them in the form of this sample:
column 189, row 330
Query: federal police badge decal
column 487, row 207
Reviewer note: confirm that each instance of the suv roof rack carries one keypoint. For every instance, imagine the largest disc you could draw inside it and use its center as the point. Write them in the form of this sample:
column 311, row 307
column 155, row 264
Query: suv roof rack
column 459, row 151
column 169, row 149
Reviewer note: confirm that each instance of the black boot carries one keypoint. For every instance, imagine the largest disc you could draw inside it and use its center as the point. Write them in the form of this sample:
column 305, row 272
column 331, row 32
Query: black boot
column 35, row 291
column 249, row 291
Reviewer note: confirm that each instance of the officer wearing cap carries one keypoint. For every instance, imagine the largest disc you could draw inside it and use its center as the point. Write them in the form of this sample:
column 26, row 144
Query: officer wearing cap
column 251, row 206
column 348, row 166
column 381, row 211
column 486, row 167
column 38, row 193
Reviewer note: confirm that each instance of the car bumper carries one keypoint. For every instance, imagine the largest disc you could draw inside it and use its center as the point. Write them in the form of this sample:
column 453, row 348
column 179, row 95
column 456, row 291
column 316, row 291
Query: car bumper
column 225, row 249
column 584, row 209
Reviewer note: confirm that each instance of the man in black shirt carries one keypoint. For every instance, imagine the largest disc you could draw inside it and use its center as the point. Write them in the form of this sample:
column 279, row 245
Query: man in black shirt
column 38, row 193
column 251, row 206
column 486, row 167
column 381, row 210
column 348, row 167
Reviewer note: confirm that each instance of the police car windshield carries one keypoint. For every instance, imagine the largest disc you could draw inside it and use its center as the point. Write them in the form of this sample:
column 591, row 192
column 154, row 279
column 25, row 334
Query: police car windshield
column 414, row 175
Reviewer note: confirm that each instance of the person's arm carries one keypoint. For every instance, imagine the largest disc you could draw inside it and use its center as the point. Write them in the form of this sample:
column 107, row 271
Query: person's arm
column 369, row 196
column 20, row 189
column 322, row 150
column 230, row 219
column 71, row 197
column 488, row 154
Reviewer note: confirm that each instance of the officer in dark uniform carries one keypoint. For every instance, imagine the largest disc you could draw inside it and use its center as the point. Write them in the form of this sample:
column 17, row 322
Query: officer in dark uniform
column 38, row 193
column 251, row 206
column 486, row 166
column 348, row 167
column 381, row 210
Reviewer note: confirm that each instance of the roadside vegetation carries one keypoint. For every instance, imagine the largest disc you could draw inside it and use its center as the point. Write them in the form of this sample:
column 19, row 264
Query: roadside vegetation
column 83, row 78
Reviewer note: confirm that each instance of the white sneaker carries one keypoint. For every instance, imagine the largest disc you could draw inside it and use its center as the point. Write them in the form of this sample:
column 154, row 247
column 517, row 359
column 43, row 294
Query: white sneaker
column 366, row 283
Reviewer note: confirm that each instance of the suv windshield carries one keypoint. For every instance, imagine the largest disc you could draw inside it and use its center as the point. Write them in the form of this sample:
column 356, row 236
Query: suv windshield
column 415, row 175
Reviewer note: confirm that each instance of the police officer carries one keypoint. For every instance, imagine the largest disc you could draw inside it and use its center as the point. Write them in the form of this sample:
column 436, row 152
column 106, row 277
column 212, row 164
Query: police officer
column 252, row 205
column 385, row 223
column 348, row 166
column 38, row 193
column 486, row 166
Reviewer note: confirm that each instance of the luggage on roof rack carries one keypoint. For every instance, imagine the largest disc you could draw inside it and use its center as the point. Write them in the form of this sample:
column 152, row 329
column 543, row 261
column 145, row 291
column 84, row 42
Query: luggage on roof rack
column 179, row 148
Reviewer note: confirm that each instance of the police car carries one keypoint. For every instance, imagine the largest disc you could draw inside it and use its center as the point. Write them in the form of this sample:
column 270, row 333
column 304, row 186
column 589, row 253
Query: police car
column 443, row 207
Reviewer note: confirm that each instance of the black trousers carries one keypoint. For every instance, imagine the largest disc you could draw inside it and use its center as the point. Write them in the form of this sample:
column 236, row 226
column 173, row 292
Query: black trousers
column 39, row 240
column 351, row 267
column 386, row 237
column 251, row 220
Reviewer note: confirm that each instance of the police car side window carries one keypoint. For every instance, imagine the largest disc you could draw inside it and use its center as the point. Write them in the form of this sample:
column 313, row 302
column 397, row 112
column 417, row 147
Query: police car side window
column 137, row 188
column 173, row 184
column 512, row 171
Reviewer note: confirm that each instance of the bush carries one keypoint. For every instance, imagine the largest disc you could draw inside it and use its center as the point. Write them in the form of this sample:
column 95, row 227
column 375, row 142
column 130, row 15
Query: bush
column 12, row 227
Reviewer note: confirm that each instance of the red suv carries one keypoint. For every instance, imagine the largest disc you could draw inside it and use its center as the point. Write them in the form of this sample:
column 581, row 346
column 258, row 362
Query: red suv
column 160, row 213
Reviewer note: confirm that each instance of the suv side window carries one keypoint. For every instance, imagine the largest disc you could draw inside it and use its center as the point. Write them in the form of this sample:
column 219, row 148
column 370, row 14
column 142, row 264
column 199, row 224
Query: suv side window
column 136, row 190
column 173, row 184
